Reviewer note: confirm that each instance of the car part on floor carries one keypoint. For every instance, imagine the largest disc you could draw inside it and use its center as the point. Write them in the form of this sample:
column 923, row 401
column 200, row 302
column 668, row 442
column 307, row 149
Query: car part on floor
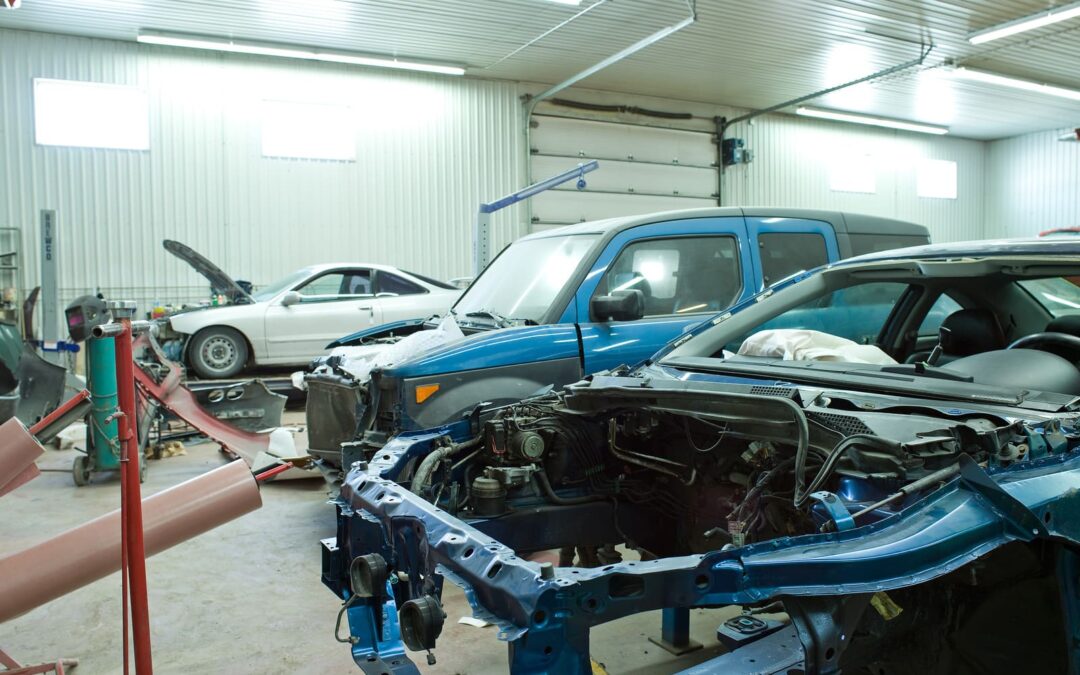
column 249, row 404
column 334, row 406
column 160, row 380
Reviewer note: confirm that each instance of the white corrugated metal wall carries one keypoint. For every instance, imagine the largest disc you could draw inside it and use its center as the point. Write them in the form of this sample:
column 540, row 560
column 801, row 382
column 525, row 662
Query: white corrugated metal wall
column 429, row 149
column 1033, row 184
column 793, row 157
column 792, row 160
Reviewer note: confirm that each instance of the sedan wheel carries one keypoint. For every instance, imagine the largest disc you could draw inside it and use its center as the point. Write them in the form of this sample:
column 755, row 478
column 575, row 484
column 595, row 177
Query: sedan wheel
column 217, row 353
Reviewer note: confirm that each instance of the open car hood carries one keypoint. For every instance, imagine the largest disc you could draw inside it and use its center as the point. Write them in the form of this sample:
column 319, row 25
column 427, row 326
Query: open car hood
column 394, row 329
column 220, row 282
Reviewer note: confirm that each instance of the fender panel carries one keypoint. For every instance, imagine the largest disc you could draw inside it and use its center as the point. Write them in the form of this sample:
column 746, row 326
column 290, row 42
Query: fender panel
column 492, row 349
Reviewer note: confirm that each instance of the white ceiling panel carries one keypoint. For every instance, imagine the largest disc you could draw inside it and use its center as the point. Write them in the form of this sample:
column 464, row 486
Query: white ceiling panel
column 741, row 54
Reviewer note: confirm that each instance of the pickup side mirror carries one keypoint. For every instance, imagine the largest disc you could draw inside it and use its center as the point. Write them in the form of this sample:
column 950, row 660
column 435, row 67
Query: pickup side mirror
column 624, row 305
column 291, row 298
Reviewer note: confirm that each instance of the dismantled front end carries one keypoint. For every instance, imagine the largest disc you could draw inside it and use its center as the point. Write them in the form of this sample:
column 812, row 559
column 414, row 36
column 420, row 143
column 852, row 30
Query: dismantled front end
column 896, row 534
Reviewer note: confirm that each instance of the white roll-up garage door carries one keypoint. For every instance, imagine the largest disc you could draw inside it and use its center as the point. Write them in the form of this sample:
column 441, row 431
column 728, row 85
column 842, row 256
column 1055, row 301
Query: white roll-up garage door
column 642, row 169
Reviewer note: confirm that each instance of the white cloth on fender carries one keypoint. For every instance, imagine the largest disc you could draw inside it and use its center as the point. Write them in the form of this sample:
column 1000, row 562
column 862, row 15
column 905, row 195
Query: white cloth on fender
column 795, row 344
column 360, row 360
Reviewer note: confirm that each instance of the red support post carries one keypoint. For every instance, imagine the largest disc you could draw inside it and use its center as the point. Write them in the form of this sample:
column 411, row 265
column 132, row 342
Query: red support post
column 270, row 473
column 63, row 409
column 132, row 500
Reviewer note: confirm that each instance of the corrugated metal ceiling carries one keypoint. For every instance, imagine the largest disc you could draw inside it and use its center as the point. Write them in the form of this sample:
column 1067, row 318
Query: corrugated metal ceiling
column 743, row 54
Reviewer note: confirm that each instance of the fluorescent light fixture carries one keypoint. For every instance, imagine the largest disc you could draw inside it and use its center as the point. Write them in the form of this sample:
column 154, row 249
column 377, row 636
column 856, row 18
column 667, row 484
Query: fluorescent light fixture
column 566, row 2
column 1015, row 83
column 290, row 52
column 872, row 121
column 1022, row 25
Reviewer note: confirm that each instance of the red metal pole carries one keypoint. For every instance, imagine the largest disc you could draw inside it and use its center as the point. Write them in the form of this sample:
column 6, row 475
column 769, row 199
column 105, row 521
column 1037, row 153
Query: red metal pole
column 136, row 551
column 66, row 406
column 270, row 473
column 125, row 605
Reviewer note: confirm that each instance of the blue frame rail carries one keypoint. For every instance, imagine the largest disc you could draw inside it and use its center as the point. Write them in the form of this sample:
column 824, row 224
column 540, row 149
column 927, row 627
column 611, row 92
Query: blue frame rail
column 546, row 614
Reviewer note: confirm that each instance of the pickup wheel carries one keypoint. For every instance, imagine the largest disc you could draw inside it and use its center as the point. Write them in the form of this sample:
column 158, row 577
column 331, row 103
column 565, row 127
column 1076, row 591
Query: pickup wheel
column 217, row 352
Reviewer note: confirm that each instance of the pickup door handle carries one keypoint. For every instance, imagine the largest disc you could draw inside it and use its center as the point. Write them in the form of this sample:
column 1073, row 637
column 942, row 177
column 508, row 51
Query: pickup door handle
column 365, row 308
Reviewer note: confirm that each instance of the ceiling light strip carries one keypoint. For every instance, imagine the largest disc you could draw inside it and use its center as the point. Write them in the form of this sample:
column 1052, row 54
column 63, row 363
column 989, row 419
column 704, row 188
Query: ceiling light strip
column 1030, row 22
column 289, row 52
column 1015, row 83
column 871, row 120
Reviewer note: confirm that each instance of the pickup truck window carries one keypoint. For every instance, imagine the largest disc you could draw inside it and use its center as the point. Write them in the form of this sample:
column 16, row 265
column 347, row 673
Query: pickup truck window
column 785, row 253
column 682, row 275
column 523, row 281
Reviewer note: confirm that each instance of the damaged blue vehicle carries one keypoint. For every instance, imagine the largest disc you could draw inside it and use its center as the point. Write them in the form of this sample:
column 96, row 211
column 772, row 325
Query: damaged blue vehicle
column 906, row 496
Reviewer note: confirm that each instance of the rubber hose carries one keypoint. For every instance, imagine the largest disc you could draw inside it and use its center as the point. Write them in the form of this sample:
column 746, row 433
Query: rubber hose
column 427, row 467
column 545, row 486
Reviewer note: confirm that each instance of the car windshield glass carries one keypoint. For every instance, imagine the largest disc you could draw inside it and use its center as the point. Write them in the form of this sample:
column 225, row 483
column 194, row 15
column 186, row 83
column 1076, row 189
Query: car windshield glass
column 856, row 313
column 522, row 282
column 268, row 292
column 1059, row 295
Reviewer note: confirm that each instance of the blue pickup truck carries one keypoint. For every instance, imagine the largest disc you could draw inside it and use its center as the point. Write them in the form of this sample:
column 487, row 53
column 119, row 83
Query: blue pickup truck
column 559, row 304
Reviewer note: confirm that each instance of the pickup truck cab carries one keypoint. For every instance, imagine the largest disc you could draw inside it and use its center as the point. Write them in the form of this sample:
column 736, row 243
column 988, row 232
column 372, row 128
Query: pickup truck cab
column 563, row 303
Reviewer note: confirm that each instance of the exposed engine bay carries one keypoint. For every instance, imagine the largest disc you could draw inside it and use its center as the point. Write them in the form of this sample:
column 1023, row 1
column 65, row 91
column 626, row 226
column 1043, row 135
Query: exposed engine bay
column 667, row 493
column 714, row 470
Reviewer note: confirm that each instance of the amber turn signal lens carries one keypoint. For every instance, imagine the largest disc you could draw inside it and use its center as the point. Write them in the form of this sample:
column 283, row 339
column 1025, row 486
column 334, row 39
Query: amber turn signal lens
column 425, row 391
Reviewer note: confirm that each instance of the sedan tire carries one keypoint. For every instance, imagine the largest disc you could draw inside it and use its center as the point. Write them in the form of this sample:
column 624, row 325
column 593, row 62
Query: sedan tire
column 217, row 353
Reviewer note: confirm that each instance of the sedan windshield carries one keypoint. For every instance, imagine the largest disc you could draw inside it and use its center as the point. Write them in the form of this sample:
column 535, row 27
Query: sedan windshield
column 521, row 284
column 267, row 293
column 967, row 321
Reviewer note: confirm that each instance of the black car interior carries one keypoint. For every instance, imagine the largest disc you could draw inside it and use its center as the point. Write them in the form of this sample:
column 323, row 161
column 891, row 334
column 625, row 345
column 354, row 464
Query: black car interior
column 1001, row 335
column 972, row 341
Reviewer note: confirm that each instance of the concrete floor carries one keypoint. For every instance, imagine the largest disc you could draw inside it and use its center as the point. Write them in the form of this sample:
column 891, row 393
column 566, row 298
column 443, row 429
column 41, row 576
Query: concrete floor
column 246, row 597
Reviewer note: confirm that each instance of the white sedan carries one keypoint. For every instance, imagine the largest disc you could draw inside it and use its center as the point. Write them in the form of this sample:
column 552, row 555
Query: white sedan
column 290, row 322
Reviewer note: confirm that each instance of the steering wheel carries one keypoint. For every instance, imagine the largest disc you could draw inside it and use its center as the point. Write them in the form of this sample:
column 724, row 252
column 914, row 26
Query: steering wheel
column 1048, row 339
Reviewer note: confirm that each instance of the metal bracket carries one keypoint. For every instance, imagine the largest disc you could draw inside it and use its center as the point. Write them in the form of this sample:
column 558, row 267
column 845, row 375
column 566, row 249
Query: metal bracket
column 745, row 629
column 379, row 648
column 778, row 653
column 825, row 625
column 1025, row 524
column 834, row 507
column 675, row 632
